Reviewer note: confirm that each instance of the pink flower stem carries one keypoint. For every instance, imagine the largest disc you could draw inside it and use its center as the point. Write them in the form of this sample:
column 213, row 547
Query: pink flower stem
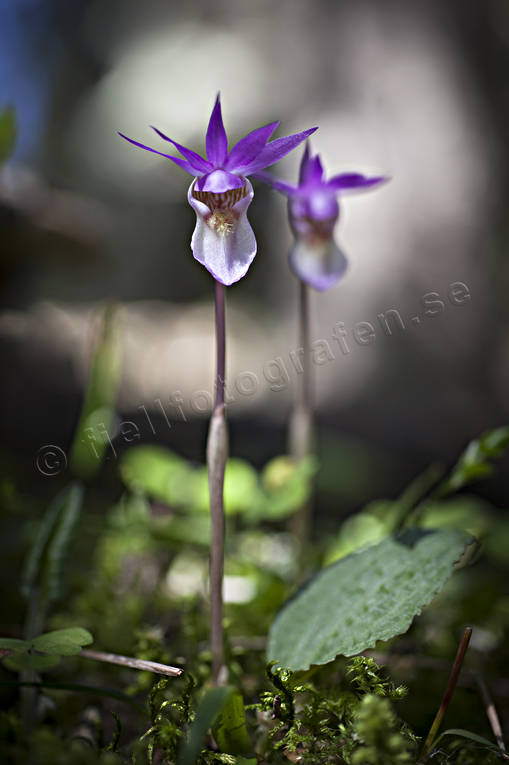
column 217, row 454
column 301, row 424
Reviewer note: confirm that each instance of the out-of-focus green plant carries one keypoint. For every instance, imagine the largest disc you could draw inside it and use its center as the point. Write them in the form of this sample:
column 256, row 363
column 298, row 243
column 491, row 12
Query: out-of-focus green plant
column 163, row 476
column 98, row 411
column 44, row 651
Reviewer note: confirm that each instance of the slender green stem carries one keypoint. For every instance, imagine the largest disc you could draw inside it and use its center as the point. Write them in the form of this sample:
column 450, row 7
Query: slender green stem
column 451, row 685
column 217, row 454
column 301, row 424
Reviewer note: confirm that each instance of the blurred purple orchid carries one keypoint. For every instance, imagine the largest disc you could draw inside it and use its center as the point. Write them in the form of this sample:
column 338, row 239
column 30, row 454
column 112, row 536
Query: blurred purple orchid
column 313, row 210
column 223, row 240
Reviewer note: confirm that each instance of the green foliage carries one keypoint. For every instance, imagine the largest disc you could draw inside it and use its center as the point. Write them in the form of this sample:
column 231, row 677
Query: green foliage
column 318, row 725
column 8, row 132
column 377, row 730
column 367, row 677
column 286, row 487
column 162, row 475
column 490, row 753
column 475, row 462
column 230, row 732
column 368, row 596
column 44, row 651
column 97, row 415
column 44, row 566
column 212, row 704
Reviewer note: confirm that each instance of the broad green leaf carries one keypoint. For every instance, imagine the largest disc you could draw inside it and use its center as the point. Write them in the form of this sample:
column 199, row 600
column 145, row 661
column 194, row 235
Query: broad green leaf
column 208, row 710
column 31, row 661
column 8, row 133
column 368, row 596
column 97, row 415
column 65, row 642
column 230, row 730
column 14, row 645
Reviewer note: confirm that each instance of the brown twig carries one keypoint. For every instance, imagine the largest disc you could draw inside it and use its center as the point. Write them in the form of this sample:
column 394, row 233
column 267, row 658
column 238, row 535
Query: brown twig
column 132, row 663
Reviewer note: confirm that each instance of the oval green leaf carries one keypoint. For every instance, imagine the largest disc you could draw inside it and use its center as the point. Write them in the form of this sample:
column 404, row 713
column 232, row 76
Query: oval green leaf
column 368, row 596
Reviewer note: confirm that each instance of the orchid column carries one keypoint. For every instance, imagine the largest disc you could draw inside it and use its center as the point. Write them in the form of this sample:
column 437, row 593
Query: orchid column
column 318, row 262
column 223, row 241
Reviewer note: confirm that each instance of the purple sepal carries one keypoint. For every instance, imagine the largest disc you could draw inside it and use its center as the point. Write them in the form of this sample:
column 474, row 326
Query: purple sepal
column 276, row 150
column 198, row 163
column 354, row 181
column 180, row 162
column 248, row 148
column 216, row 141
column 317, row 262
column 228, row 254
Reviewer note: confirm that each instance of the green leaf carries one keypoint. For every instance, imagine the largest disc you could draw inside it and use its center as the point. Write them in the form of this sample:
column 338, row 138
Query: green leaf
column 230, row 730
column 158, row 473
column 8, row 133
column 162, row 475
column 58, row 545
column 30, row 661
column 472, row 736
column 358, row 531
column 208, row 710
column 287, row 486
column 44, row 566
column 65, row 642
column 475, row 463
column 368, row 596
column 14, row 645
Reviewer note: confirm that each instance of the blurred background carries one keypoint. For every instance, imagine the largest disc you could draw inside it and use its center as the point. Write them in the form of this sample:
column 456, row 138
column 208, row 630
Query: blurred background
column 417, row 91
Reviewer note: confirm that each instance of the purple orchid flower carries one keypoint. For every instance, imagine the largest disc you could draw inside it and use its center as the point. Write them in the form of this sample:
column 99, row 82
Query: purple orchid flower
column 223, row 240
column 313, row 211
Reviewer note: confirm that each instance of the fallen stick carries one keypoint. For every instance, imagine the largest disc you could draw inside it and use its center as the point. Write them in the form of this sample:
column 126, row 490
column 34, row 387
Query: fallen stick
column 129, row 661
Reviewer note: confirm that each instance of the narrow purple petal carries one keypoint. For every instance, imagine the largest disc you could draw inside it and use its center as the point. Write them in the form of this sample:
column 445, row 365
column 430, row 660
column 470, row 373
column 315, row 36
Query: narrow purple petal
column 180, row 162
column 248, row 148
column 313, row 174
column 200, row 165
column 354, row 181
column 216, row 140
column 284, row 188
column 219, row 181
column 304, row 163
column 276, row 150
